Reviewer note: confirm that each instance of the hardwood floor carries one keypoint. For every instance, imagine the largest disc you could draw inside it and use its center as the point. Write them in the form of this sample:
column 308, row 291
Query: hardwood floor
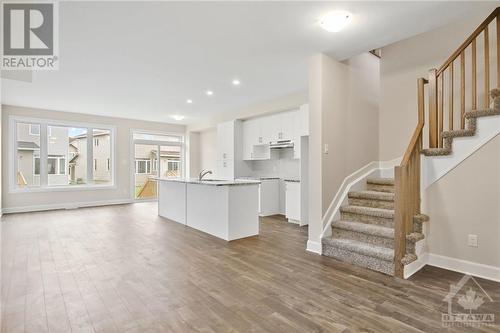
column 124, row 269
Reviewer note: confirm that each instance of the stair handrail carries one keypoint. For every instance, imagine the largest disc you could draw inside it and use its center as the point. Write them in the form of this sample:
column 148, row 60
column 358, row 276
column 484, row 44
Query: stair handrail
column 437, row 88
column 407, row 174
column 469, row 40
column 407, row 186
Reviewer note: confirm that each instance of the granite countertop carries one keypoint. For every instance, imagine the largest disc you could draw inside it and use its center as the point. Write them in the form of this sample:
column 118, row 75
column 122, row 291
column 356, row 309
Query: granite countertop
column 292, row 180
column 212, row 182
column 259, row 178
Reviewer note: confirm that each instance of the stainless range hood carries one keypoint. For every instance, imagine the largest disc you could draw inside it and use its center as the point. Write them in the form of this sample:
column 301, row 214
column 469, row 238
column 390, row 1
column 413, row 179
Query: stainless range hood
column 280, row 144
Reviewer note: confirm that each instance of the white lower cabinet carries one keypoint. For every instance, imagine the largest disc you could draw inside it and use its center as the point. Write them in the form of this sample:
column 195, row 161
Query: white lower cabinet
column 292, row 201
column 269, row 198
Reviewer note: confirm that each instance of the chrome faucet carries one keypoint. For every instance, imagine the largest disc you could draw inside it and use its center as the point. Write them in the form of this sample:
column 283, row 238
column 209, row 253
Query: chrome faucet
column 203, row 173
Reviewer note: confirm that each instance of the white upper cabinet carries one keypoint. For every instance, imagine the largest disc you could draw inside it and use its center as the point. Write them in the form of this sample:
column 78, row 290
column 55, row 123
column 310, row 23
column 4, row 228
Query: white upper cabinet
column 278, row 126
column 286, row 125
column 259, row 132
column 225, row 150
column 303, row 116
column 225, row 140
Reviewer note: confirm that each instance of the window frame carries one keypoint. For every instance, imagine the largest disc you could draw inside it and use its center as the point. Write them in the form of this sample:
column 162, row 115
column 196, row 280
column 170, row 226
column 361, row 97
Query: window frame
column 44, row 137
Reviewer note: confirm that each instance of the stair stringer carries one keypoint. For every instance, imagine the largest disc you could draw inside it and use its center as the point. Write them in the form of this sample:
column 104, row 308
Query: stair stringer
column 435, row 167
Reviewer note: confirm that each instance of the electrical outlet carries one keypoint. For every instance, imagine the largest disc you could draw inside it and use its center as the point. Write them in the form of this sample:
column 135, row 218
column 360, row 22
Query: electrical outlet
column 326, row 148
column 472, row 240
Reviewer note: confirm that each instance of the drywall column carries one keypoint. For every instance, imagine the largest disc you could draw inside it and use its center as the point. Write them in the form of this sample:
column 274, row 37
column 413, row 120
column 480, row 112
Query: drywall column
column 343, row 112
column 315, row 156
column 192, row 154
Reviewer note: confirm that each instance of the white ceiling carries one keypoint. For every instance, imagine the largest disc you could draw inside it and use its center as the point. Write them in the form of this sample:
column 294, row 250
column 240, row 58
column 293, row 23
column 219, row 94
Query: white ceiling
column 143, row 60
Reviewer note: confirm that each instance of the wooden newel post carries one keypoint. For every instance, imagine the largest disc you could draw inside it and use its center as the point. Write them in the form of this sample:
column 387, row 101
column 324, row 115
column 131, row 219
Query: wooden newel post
column 433, row 114
column 399, row 221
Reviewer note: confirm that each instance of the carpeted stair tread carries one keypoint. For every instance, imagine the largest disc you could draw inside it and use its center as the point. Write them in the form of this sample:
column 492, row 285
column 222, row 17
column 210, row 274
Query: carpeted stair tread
column 372, row 195
column 408, row 259
column 458, row 133
column 369, row 229
column 365, row 249
column 482, row 113
column 375, row 212
column 420, row 218
column 436, row 151
column 415, row 237
column 374, row 230
column 380, row 181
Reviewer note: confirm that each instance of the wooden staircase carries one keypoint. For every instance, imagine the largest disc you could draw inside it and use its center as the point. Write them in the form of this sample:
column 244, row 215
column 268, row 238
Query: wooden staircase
column 439, row 84
column 380, row 226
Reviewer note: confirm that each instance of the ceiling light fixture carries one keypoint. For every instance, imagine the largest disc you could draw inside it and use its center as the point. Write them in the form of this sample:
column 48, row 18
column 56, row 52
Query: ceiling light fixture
column 236, row 82
column 335, row 21
column 177, row 117
column 189, row 101
column 209, row 92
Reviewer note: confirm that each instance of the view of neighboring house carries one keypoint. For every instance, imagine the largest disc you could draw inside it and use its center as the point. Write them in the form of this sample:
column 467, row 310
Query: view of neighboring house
column 66, row 159
column 146, row 167
column 101, row 157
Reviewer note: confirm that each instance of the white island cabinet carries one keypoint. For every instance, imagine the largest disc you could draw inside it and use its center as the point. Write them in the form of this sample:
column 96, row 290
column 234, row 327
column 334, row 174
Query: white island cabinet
column 225, row 209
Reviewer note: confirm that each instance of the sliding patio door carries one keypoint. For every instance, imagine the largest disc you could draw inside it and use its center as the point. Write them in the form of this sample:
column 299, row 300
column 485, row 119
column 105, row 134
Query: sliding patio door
column 155, row 155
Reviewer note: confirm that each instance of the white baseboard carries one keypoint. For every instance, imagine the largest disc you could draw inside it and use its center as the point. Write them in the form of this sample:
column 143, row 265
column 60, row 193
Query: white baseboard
column 457, row 265
column 314, row 247
column 73, row 205
column 464, row 266
column 415, row 266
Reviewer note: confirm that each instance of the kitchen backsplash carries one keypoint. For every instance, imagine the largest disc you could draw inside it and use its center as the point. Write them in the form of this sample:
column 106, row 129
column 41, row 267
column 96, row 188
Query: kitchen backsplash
column 280, row 165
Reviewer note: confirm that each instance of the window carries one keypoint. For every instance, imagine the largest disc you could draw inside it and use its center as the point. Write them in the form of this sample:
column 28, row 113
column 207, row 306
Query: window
column 71, row 143
column 34, row 129
column 142, row 166
column 102, row 156
column 56, row 165
column 65, row 157
column 173, row 165
column 27, row 172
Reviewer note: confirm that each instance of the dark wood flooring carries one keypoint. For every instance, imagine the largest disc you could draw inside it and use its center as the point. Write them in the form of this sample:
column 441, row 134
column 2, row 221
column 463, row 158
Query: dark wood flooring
column 124, row 269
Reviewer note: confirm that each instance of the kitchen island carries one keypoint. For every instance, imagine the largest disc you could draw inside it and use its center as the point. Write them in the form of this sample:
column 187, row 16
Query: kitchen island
column 227, row 209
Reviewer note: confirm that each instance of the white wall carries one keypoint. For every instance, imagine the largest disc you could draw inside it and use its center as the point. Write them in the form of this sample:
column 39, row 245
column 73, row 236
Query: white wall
column 208, row 150
column 467, row 201
column 122, row 192
column 280, row 165
column 343, row 114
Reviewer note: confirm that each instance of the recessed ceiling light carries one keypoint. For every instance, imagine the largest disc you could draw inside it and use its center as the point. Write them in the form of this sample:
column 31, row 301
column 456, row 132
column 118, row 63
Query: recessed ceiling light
column 335, row 21
column 189, row 101
column 209, row 92
column 236, row 82
column 177, row 117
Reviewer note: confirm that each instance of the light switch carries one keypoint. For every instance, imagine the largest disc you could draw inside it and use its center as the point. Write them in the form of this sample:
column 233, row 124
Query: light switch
column 326, row 148
column 472, row 240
